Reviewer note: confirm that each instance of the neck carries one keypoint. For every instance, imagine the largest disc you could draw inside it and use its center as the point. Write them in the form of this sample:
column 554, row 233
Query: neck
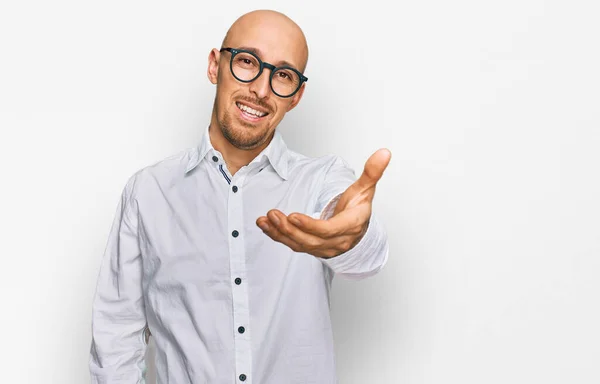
column 235, row 158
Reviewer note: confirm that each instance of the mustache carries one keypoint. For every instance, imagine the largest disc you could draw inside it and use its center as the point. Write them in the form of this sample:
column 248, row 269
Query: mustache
column 257, row 102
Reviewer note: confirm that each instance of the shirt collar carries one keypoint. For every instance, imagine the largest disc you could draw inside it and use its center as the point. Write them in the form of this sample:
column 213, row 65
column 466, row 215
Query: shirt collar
column 276, row 153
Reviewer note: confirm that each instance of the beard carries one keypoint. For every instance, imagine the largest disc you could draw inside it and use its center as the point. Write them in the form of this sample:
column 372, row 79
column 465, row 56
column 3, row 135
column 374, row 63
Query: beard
column 240, row 134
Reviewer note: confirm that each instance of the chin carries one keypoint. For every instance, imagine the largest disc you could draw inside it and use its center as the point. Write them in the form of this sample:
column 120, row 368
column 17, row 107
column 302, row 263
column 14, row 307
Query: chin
column 243, row 135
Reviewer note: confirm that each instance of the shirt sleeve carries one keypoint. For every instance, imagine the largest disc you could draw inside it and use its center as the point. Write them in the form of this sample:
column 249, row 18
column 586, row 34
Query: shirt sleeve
column 117, row 353
column 370, row 254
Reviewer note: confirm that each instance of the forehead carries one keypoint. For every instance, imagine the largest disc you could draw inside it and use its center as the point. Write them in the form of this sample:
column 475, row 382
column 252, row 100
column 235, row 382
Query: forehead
column 275, row 44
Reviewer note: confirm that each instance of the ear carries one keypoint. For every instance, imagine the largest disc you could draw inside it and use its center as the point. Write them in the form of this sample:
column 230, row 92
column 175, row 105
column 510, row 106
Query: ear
column 213, row 65
column 296, row 98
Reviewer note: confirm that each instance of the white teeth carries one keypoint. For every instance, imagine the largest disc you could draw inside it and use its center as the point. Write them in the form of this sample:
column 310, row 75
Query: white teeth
column 250, row 110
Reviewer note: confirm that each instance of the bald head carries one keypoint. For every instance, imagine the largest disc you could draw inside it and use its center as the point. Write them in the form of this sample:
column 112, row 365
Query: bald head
column 277, row 33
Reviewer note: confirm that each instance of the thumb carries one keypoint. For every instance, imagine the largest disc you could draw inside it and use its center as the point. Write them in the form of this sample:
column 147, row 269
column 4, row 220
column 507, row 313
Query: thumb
column 374, row 167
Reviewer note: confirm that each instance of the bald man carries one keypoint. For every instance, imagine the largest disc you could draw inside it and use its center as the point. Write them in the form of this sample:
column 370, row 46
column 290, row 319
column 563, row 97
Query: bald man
column 226, row 251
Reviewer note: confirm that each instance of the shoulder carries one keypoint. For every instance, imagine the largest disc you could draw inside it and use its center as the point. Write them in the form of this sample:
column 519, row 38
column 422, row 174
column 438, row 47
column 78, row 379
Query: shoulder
column 163, row 173
column 318, row 166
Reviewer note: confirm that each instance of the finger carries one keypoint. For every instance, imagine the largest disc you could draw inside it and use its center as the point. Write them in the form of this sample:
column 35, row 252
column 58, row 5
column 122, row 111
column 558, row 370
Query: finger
column 321, row 228
column 352, row 219
column 332, row 247
column 306, row 240
column 276, row 235
column 374, row 168
column 349, row 221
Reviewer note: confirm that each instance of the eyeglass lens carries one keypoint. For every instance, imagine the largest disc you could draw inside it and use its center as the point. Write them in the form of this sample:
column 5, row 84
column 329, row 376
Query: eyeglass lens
column 246, row 67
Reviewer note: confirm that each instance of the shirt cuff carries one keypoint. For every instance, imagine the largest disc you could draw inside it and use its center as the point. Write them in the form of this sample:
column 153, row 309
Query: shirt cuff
column 327, row 211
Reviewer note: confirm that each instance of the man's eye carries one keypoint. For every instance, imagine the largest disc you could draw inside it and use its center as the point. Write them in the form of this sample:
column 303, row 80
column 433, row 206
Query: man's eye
column 245, row 61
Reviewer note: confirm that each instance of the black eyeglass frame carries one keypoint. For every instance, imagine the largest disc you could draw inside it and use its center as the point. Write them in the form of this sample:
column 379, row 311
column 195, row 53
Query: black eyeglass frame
column 263, row 65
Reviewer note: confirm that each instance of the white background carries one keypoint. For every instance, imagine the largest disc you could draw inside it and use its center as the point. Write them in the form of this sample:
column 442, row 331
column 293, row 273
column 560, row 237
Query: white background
column 491, row 200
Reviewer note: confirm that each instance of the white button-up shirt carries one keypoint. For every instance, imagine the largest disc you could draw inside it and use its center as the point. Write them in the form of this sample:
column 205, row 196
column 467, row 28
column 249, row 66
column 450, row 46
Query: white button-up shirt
column 224, row 302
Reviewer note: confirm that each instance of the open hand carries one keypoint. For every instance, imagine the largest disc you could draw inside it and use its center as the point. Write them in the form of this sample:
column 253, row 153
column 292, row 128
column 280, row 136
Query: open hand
column 343, row 230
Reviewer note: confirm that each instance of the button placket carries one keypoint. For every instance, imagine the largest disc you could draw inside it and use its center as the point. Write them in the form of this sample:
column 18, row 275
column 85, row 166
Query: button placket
column 237, row 261
column 222, row 168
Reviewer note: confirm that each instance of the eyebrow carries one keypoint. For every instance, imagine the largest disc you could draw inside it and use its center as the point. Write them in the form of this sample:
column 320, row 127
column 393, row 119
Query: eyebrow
column 258, row 53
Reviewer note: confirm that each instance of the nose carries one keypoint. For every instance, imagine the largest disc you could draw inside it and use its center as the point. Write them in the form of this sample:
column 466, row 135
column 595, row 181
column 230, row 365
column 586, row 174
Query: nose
column 260, row 86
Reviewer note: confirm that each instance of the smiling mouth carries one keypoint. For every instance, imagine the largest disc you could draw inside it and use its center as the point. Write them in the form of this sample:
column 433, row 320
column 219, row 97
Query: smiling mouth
column 250, row 113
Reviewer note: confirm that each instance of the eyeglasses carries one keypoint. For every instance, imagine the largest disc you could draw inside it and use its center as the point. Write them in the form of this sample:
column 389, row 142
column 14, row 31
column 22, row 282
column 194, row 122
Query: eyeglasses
column 246, row 67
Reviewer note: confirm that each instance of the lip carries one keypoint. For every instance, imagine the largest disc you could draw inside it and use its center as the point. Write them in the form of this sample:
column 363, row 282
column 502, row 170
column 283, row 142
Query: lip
column 253, row 106
column 248, row 117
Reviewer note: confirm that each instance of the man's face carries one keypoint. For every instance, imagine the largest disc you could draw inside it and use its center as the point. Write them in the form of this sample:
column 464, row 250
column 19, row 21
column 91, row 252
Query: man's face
column 275, row 42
